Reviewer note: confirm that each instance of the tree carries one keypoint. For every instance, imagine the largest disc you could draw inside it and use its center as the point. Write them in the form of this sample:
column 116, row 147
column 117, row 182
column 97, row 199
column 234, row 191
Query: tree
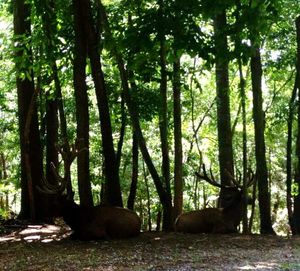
column 134, row 174
column 82, row 107
column 112, row 188
column 296, row 215
column 164, row 197
column 223, row 101
column 242, row 85
column 260, row 149
column 163, row 109
column 31, row 156
column 178, row 181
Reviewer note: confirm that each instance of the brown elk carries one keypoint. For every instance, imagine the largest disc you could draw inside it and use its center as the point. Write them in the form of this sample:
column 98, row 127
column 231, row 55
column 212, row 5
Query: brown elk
column 89, row 223
column 216, row 220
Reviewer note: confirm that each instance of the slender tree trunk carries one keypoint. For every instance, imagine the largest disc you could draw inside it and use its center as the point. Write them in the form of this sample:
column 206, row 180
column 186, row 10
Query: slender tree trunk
column 122, row 132
column 251, row 219
column 4, row 203
column 178, row 174
column 51, row 137
column 296, row 216
column 289, row 177
column 238, row 44
column 223, row 102
column 260, row 149
column 82, row 108
column 148, row 199
column 30, row 149
column 51, row 150
column 163, row 113
column 178, row 181
column 49, row 20
column 113, row 189
column 245, row 158
column 135, row 171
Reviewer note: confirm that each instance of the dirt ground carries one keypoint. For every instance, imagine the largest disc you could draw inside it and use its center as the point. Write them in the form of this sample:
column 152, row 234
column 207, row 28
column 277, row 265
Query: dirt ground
column 49, row 247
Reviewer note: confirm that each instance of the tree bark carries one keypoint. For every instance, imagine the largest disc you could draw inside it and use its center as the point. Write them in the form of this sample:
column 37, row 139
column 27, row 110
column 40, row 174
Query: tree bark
column 134, row 174
column 163, row 112
column 245, row 151
column 112, row 187
column 178, row 174
column 82, row 108
column 296, row 215
column 289, row 175
column 260, row 148
column 223, row 103
column 30, row 149
column 178, row 181
column 122, row 132
column 51, row 150
column 47, row 12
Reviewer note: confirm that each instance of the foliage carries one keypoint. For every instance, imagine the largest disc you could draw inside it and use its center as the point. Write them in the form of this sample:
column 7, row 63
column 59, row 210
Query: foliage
column 137, row 27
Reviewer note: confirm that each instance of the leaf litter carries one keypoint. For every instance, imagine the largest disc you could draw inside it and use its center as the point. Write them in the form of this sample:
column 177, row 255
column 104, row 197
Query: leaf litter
column 149, row 251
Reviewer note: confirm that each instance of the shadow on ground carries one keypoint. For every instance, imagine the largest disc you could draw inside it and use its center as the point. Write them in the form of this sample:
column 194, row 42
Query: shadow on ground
column 49, row 247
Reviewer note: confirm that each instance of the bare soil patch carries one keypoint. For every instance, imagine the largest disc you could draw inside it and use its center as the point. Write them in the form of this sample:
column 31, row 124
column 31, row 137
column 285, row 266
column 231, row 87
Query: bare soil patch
column 48, row 247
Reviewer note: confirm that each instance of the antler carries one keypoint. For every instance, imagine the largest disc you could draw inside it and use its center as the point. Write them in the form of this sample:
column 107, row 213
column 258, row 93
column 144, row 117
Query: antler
column 238, row 183
column 49, row 188
column 68, row 155
column 251, row 178
column 210, row 179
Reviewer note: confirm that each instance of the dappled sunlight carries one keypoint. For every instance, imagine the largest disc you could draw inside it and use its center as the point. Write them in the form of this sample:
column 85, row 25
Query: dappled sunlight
column 260, row 266
column 36, row 249
column 33, row 233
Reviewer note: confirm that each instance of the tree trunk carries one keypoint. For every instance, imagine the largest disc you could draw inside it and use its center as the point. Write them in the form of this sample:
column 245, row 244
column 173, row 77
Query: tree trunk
column 31, row 149
column 260, row 149
column 238, row 44
column 51, row 150
column 178, row 181
column 47, row 12
column 51, row 137
column 112, row 188
column 163, row 112
column 245, row 151
column 148, row 199
column 163, row 195
column 82, row 108
column 296, row 216
column 289, row 175
column 122, row 132
column 134, row 174
column 223, row 103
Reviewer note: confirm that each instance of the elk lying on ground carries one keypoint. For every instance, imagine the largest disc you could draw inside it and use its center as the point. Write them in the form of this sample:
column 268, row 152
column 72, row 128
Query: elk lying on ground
column 87, row 223
column 216, row 220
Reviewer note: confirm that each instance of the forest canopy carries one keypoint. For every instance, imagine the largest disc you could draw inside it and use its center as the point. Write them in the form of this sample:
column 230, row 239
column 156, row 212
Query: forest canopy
column 148, row 96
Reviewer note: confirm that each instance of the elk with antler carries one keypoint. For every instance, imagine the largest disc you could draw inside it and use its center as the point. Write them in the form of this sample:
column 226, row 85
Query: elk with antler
column 216, row 220
column 96, row 222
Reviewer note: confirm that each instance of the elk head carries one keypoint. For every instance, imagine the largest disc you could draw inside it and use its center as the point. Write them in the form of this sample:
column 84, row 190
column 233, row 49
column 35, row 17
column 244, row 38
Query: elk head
column 94, row 222
column 216, row 220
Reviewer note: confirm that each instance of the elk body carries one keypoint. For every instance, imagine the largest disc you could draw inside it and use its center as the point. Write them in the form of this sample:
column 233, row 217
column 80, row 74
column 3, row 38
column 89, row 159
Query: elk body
column 95, row 222
column 100, row 222
column 215, row 220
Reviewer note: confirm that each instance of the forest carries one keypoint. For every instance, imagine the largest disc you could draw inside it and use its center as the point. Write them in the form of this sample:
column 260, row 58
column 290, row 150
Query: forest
column 149, row 135
column 160, row 107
